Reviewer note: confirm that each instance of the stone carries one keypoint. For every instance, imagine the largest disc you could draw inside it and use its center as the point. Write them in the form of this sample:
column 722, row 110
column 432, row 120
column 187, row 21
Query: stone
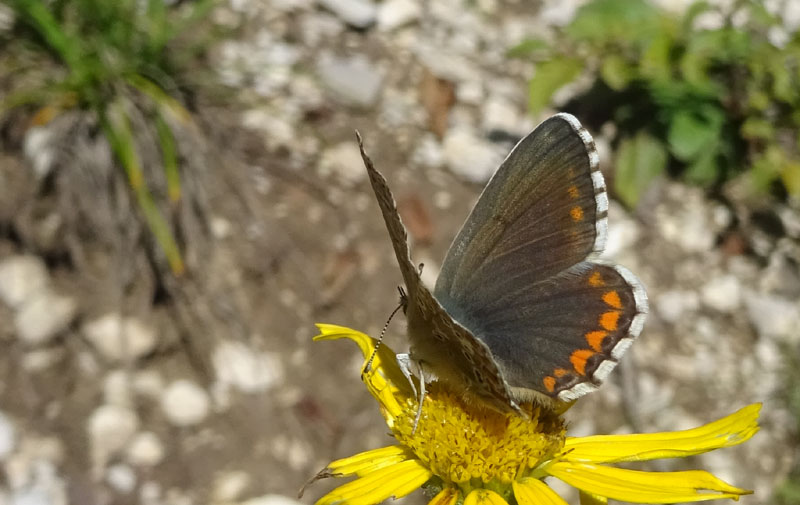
column 773, row 316
column 393, row 14
column 230, row 486
column 121, row 478
column 145, row 450
column 344, row 163
column 470, row 156
column 356, row 13
column 246, row 369
column 185, row 403
column 272, row 499
column 352, row 80
column 117, row 388
column 120, row 339
column 722, row 293
column 110, row 428
column 39, row 149
column 672, row 305
column 20, row 278
column 8, row 437
column 44, row 316
column 500, row 114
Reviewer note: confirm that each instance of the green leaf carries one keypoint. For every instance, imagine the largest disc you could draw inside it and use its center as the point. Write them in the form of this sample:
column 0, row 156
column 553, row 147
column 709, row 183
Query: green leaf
column 790, row 175
column 549, row 77
column 615, row 21
column 655, row 62
column 616, row 72
column 527, row 47
column 756, row 128
column 691, row 134
column 704, row 170
column 640, row 159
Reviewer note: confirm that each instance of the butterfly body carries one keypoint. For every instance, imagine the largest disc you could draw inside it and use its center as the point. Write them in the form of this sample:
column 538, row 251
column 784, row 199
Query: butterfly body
column 521, row 309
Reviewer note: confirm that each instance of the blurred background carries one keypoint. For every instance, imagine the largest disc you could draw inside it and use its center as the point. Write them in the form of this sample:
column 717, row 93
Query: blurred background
column 181, row 199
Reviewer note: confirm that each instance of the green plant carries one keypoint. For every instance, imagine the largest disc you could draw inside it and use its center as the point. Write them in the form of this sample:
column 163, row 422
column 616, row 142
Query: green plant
column 110, row 58
column 705, row 103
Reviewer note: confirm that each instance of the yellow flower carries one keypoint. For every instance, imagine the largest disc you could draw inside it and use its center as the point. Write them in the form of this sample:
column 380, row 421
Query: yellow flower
column 462, row 453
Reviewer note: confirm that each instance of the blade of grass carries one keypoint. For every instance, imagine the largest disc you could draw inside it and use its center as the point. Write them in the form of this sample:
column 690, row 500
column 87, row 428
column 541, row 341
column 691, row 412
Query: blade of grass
column 118, row 132
column 169, row 155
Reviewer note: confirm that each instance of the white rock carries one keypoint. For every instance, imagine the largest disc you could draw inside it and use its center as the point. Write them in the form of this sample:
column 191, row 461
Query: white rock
column 344, row 162
column 773, row 316
column 44, row 316
column 20, row 278
column 501, row 114
column 470, row 156
column 230, row 486
column 121, row 478
column 185, row 403
column 39, row 149
column 723, row 293
column 117, row 388
column 272, row 499
column 623, row 232
column 119, row 339
column 110, row 428
column 672, row 305
column 8, row 437
column 355, row 80
column 150, row 493
column 245, row 369
column 148, row 383
column 428, row 152
column 356, row 13
column 395, row 13
column 145, row 450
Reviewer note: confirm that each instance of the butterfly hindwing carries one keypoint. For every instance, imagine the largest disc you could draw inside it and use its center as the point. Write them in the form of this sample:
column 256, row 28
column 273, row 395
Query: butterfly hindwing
column 563, row 336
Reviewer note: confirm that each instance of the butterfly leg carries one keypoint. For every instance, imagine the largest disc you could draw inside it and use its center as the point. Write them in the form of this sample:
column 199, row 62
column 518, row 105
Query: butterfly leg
column 404, row 362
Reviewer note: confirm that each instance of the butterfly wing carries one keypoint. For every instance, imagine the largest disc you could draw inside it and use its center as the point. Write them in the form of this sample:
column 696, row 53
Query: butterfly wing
column 449, row 349
column 516, row 274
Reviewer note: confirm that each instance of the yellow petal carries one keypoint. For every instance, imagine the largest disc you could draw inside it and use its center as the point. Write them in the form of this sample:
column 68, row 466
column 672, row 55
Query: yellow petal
column 365, row 462
column 535, row 492
column 644, row 487
column 731, row 430
column 484, row 497
column 447, row 496
column 396, row 480
column 384, row 360
column 592, row 499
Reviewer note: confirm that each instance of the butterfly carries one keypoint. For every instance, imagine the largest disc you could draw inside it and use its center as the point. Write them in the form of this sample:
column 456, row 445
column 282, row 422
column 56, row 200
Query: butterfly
column 522, row 310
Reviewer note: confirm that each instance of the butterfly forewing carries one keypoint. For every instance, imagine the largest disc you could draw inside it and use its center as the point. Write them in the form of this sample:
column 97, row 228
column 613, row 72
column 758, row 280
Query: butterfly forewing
column 539, row 214
column 438, row 343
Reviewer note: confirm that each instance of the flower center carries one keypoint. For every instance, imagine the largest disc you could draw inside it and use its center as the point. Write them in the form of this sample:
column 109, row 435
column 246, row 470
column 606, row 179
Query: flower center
column 461, row 442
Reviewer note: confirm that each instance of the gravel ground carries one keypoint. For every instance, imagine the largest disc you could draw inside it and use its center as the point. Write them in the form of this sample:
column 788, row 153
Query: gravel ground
column 102, row 405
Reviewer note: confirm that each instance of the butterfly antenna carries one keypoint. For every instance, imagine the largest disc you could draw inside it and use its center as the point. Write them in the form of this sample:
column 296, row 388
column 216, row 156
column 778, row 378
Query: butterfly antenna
column 401, row 305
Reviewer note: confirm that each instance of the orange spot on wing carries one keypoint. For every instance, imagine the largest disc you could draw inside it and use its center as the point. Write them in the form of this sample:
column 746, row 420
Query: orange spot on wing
column 612, row 298
column 595, row 339
column 576, row 213
column 549, row 383
column 596, row 280
column 573, row 192
column 560, row 372
column 578, row 360
column 608, row 320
